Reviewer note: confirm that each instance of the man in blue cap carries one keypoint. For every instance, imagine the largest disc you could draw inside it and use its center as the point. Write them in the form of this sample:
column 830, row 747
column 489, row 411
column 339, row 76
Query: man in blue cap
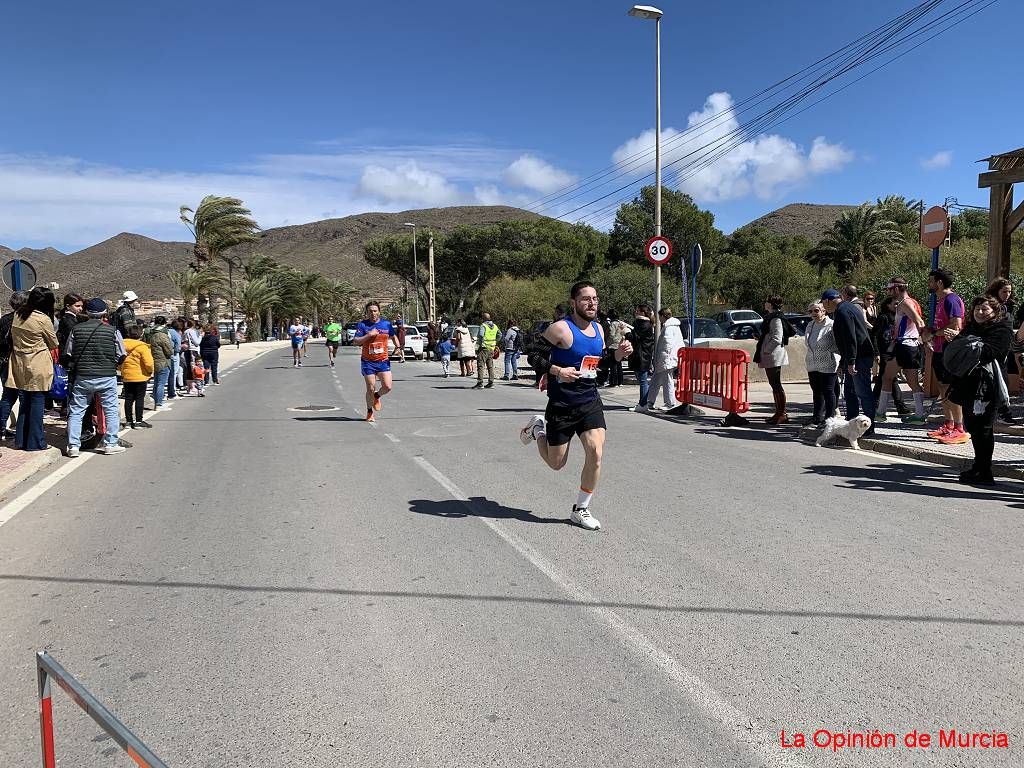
column 856, row 355
column 92, row 353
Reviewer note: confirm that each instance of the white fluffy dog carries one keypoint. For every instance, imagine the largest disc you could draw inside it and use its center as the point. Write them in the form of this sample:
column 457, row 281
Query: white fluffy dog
column 851, row 430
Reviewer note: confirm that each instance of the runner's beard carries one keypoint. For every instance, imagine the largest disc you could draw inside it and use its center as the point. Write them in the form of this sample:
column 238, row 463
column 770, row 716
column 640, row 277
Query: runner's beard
column 587, row 313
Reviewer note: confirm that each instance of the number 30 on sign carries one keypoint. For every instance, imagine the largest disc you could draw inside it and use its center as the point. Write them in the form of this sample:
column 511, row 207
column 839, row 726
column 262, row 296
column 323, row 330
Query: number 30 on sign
column 658, row 250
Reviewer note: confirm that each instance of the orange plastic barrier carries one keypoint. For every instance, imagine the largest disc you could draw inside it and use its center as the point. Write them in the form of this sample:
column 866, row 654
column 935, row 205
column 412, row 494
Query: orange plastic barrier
column 715, row 378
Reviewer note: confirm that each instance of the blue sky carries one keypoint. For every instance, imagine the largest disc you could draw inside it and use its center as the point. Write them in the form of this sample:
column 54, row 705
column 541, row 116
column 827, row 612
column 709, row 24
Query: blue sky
column 117, row 113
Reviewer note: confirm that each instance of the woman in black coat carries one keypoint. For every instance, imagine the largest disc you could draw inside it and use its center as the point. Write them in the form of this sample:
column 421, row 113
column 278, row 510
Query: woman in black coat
column 642, row 338
column 979, row 392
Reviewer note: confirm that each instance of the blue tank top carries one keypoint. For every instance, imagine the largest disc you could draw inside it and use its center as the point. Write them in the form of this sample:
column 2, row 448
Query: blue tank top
column 584, row 389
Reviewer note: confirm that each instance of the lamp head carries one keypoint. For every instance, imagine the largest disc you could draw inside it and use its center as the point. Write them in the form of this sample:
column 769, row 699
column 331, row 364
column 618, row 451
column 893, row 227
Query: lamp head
column 645, row 12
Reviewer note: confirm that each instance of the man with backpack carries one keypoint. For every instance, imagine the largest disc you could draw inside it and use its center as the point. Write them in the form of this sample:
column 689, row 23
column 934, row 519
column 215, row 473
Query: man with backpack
column 124, row 316
column 514, row 344
column 92, row 354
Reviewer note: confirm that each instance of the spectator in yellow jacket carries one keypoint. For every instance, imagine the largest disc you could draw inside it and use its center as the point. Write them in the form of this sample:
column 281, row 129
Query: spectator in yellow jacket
column 136, row 371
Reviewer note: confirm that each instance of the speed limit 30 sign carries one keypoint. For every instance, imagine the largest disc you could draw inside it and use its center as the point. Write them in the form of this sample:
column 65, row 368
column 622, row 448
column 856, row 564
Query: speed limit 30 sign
column 658, row 250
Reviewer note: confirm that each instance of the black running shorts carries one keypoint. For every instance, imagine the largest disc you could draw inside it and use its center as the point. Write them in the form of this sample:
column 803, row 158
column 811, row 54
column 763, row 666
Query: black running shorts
column 564, row 421
column 939, row 366
column 908, row 358
column 333, row 344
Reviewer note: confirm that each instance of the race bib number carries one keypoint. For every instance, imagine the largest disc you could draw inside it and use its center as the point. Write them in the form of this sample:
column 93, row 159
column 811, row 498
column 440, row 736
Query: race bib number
column 588, row 367
column 379, row 347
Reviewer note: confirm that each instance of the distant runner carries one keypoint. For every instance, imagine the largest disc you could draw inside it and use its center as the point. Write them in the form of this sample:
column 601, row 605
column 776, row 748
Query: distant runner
column 569, row 352
column 297, row 333
column 333, row 333
column 374, row 336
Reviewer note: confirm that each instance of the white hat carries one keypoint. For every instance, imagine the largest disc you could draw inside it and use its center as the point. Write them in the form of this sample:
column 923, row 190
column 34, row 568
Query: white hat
column 130, row 296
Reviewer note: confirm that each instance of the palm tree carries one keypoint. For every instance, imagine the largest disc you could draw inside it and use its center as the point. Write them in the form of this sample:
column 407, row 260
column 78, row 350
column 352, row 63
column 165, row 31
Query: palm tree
column 863, row 234
column 191, row 284
column 254, row 298
column 218, row 223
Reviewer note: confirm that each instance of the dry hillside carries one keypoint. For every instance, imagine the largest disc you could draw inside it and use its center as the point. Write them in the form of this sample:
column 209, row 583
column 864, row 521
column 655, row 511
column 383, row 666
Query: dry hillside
column 805, row 219
column 333, row 247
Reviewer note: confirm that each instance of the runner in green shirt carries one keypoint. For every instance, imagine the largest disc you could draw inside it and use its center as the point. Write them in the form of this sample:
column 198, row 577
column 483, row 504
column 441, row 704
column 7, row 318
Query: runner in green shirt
column 333, row 333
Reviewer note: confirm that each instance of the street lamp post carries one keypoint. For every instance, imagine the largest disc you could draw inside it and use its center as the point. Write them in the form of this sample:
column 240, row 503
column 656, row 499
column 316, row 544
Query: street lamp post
column 415, row 272
column 650, row 12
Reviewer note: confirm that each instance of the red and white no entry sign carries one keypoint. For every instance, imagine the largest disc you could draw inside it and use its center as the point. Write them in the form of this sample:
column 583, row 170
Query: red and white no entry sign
column 658, row 250
column 934, row 226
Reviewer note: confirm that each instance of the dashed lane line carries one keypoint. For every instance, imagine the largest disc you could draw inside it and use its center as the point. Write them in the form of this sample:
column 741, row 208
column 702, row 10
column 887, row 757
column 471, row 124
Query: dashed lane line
column 695, row 688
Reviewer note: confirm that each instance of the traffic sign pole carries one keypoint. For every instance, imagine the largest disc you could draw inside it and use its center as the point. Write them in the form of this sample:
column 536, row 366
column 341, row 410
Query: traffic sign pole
column 934, row 228
column 931, row 299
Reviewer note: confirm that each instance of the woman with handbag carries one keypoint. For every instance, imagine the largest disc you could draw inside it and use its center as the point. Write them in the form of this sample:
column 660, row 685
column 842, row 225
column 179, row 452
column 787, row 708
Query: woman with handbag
column 31, row 366
column 979, row 389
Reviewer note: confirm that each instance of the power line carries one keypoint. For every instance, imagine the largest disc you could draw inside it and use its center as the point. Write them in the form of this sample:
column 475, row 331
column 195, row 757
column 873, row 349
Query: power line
column 769, row 119
column 869, row 47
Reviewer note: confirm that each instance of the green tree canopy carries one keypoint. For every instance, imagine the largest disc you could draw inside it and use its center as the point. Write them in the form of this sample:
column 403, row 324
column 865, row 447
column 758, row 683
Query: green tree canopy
column 467, row 259
column 683, row 223
column 758, row 263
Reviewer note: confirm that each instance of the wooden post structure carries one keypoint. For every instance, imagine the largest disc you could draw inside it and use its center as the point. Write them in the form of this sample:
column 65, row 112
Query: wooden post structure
column 1005, row 170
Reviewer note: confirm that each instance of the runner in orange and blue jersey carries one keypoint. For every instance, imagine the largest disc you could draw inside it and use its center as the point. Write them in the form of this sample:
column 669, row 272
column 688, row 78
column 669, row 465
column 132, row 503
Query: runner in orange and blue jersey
column 374, row 335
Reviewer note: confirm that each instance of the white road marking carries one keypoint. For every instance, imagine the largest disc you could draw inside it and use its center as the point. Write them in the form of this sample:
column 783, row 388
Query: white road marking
column 699, row 692
column 13, row 507
column 392, row 438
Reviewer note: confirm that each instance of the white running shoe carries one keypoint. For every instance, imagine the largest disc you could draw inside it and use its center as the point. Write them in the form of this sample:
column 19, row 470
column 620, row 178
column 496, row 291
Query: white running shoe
column 526, row 433
column 110, row 450
column 72, row 451
column 581, row 516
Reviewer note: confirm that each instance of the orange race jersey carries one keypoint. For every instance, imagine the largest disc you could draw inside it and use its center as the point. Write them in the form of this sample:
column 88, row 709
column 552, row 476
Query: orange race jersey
column 376, row 348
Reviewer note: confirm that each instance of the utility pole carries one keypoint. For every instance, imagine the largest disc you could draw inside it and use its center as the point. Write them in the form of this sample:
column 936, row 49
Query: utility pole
column 432, row 309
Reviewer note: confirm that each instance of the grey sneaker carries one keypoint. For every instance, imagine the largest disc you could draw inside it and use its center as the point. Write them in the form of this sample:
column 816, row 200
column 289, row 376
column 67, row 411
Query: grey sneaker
column 526, row 433
column 72, row 452
column 110, row 450
column 581, row 516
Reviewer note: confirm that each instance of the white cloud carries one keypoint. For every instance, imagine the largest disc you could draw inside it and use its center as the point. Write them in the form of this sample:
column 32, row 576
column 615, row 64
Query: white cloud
column 406, row 183
column 533, row 173
column 70, row 203
column 939, row 160
column 488, row 194
column 762, row 165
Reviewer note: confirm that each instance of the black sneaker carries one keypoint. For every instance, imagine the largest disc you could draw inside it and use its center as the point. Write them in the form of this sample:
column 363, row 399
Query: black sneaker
column 488, row 385
column 478, row 385
column 142, row 425
column 974, row 477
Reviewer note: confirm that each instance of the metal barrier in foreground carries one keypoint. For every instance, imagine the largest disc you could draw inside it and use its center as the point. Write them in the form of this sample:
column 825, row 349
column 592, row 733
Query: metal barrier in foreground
column 48, row 670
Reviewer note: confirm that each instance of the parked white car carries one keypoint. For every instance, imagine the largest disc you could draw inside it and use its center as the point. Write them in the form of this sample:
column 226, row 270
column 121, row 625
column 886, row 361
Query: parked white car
column 414, row 343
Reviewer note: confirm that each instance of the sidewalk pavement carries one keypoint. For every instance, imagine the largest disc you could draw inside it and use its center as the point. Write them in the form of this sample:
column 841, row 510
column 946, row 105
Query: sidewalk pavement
column 892, row 437
column 18, row 466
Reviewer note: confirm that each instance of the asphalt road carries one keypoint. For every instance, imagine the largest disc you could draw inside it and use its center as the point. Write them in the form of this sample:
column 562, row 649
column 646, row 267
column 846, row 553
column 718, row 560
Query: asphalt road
column 252, row 585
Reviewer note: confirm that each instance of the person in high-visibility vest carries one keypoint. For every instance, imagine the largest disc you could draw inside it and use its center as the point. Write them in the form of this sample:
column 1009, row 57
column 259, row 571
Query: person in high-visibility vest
column 486, row 345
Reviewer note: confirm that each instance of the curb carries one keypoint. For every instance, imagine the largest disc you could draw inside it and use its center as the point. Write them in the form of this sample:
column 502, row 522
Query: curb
column 15, row 477
column 921, row 454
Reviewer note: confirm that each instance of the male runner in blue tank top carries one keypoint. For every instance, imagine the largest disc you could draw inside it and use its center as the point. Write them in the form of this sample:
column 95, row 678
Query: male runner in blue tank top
column 570, row 355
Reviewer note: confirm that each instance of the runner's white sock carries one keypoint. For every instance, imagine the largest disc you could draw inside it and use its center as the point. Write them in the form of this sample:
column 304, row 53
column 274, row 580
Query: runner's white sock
column 583, row 498
column 883, row 402
column 919, row 403
column 538, row 431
